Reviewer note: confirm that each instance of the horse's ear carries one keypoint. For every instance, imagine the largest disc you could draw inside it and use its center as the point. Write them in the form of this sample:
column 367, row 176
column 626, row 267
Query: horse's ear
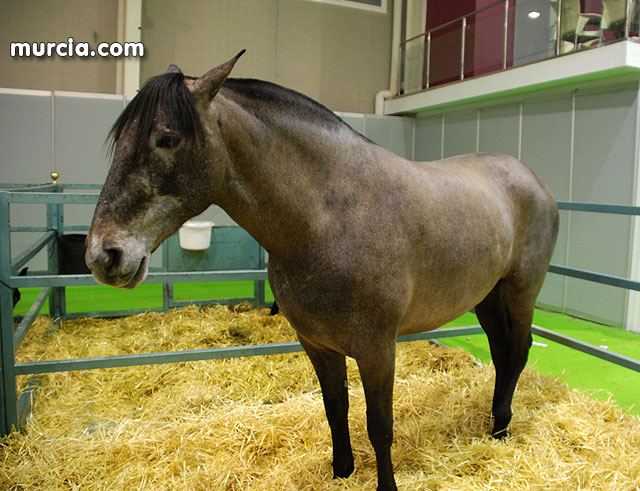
column 173, row 69
column 208, row 85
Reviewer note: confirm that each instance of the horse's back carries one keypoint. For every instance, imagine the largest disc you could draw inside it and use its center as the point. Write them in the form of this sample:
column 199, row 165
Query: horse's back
column 502, row 180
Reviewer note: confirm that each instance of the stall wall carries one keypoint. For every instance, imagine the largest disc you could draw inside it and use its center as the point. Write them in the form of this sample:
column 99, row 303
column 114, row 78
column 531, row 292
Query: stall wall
column 583, row 144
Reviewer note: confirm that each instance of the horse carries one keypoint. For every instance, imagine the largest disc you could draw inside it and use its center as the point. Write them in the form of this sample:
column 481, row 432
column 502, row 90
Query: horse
column 363, row 245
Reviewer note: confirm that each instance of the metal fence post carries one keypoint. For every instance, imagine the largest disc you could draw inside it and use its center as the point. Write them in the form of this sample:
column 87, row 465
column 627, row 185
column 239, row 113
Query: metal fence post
column 8, row 390
column 462, row 49
column 627, row 20
column 428, row 60
column 259, row 285
column 167, row 288
column 559, row 28
column 55, row 220
column 506, row 34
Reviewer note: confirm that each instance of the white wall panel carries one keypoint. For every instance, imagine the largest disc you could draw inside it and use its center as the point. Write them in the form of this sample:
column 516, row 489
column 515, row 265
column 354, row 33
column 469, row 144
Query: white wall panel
column 603, row 172
column 546, row 149
column 499, row 128
column 460, row 133
column 392, row 133
column 25, row 136
column 428, row 136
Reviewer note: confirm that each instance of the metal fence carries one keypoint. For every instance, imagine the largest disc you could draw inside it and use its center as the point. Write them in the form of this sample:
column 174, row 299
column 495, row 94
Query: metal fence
column 53, row 284
column 15, row 407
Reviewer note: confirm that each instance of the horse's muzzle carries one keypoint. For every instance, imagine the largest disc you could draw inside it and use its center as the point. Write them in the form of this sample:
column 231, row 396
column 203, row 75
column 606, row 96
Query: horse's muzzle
column 122, row 263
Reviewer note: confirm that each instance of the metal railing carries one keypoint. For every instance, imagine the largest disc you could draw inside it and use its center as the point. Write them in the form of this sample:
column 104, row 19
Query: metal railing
column 465, row 21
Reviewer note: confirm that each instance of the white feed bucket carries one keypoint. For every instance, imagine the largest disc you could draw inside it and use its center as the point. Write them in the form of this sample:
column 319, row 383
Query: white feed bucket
column 195, row 235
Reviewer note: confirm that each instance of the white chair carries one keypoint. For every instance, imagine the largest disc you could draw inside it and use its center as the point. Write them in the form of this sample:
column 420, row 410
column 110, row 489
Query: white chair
column 573, row 24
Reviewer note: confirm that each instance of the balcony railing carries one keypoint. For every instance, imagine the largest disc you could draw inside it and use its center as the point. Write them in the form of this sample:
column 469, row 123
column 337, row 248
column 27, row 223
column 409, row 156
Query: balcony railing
column 503, row 34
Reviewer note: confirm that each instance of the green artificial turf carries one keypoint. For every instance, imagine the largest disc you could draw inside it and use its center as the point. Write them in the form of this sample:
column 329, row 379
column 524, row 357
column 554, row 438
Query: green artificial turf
column 103, row 298
column 596, row 377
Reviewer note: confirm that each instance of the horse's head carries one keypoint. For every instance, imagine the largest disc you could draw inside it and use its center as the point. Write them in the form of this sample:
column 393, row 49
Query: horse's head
column 165, row 170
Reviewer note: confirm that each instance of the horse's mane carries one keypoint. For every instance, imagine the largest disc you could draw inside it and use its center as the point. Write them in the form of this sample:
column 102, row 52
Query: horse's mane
column 167, row 93
column 276, row 96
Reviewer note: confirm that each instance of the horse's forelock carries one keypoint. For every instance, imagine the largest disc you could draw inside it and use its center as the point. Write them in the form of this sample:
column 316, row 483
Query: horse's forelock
column 166, row 93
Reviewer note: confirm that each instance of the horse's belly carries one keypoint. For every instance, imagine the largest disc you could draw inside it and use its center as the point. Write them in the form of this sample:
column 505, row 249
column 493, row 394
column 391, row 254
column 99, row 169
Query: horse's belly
column 444, row 289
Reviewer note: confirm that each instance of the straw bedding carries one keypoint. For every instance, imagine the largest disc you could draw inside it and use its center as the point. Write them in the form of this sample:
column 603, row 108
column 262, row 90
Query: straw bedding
column 258, row 423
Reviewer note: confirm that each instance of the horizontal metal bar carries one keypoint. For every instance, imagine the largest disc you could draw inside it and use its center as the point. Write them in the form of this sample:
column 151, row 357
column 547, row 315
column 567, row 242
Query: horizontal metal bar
column 599, row 208
column 451, row 22
column 590, row 349
column 28, row 188
column 604, row 279
column 27, row 255
column 446, row 332
column 155, row 358
column 204, row 354
column 152, row 278
column 41, row 228
column 67, row 198
column 27, row 320
column 82, row 186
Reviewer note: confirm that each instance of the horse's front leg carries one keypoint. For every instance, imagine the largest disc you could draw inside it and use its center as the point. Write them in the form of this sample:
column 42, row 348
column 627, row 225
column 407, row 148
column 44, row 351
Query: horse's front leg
column 331, row 369
column 377, row 368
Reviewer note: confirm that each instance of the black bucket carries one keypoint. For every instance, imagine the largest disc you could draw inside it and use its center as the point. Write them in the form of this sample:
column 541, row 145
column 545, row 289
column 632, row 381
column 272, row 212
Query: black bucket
column 72, row 249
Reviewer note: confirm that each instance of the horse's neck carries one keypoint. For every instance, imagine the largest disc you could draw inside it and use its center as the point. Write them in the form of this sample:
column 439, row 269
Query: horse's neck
column 280, row 174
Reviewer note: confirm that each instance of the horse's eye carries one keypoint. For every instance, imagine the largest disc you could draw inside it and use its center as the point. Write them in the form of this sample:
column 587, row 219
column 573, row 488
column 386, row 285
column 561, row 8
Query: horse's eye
column 167, row 141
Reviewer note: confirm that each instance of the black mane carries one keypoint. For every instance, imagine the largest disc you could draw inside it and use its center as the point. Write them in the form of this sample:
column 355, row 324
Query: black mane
column 297, row 103
column 167, row 93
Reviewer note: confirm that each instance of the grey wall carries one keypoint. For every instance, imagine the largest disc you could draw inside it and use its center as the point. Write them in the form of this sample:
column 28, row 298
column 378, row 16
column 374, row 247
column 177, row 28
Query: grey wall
column 337, row 55
column 583, row 144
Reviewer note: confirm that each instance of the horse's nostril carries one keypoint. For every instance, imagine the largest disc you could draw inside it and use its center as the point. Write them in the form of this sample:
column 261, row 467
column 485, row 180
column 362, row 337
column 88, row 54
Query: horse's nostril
column 112, row 258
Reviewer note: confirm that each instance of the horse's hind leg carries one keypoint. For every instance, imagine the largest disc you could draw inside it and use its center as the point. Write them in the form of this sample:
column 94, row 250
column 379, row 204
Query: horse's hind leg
column 377, row 368
column 331, row 369
column 506, row 318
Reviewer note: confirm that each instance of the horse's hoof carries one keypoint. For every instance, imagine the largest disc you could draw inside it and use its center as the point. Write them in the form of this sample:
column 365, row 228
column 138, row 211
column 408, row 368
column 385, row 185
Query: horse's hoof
column 343, row 471
column 389, row 487
column 499, row 434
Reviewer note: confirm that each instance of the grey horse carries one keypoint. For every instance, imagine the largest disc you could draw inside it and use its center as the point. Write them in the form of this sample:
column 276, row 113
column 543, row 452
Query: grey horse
column 363, row 245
